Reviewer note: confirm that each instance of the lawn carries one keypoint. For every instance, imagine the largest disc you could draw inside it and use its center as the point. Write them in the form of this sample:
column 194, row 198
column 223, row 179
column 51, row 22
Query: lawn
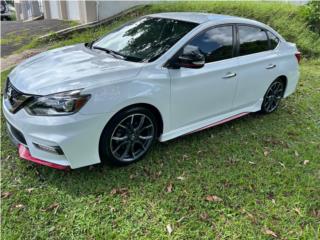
column 257, row 177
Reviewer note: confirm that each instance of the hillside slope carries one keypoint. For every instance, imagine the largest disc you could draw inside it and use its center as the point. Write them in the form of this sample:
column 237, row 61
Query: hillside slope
column 285, row 18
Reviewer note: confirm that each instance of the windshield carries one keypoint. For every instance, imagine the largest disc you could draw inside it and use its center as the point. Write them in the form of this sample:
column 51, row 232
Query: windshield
column 145, row 39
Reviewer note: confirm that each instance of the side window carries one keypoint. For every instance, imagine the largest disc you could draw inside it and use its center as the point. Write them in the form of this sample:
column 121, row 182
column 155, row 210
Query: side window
column 215, row 44
column 252, row 40
column 273, row 40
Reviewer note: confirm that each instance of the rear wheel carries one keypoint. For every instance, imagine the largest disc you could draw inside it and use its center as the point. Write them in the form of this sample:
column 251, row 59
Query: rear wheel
column 128, row 136
column 273, row 96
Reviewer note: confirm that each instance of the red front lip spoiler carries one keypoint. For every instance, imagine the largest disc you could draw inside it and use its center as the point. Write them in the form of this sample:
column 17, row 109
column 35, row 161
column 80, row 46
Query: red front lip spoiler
column 25, row 154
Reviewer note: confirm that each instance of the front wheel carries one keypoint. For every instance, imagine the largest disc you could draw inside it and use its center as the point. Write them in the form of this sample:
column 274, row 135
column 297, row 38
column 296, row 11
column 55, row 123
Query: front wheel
column 273, row 96
column 128, row 136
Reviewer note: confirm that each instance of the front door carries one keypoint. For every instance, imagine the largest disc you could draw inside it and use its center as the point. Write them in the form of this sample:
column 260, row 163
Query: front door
column 199, row 94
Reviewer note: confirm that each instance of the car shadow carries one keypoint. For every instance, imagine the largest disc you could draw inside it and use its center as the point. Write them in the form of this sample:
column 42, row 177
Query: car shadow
column 164, row 161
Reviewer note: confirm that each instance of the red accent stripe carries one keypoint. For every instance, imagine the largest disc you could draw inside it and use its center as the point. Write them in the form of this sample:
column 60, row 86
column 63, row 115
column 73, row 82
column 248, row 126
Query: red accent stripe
column 221, row 122
column 25, row 154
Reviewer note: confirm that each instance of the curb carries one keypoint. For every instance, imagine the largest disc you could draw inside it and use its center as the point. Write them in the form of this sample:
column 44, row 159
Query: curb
column 79, row 28
column 34, row 19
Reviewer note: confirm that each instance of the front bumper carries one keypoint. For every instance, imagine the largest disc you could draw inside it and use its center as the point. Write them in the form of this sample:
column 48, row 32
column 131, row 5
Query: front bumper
column 25, row 154
column 77, row 135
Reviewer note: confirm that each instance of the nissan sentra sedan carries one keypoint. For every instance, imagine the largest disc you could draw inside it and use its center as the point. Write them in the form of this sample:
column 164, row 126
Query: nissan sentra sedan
column 156, row 78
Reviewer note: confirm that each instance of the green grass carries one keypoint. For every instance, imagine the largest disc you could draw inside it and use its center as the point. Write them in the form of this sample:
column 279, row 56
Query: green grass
column 256, row 165
column 4, row 41
column 13, row 38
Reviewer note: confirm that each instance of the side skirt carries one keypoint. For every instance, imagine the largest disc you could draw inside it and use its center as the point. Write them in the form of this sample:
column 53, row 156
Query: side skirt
column 211, row 122
column 220, row 122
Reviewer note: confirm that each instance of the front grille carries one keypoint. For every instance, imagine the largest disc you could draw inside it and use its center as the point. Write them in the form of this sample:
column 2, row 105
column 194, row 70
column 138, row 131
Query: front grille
column 12, row 93
column 14, row 97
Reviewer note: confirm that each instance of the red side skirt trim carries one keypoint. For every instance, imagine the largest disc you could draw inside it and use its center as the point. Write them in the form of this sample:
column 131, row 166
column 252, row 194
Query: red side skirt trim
column 25, row 154
column 221, row 122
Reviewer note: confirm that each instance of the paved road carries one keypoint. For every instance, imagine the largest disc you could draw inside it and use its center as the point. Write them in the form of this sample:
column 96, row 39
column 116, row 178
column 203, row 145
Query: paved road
column 16, row 34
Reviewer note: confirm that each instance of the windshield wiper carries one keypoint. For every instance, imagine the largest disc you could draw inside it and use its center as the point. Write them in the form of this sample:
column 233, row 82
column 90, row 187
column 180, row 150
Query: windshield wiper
column 111, row 52
column 89, row 44
column 118, row 55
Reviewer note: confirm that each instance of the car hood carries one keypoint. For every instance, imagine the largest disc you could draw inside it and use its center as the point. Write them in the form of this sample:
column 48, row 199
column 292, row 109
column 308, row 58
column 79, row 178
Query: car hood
column 70, row 68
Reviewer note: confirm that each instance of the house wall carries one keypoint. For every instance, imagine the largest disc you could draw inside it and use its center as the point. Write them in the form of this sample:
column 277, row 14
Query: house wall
column 54, row 9
column 27, row 9
column 109, row 8
column 89, row 13
column 73, row 10
column 85, row 11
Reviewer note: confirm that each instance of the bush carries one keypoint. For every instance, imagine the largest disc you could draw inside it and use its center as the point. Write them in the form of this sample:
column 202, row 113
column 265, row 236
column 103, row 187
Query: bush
column 312, row 14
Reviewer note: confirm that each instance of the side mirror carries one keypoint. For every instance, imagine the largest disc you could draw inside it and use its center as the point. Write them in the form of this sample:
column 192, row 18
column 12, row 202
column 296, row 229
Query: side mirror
column 191, row 57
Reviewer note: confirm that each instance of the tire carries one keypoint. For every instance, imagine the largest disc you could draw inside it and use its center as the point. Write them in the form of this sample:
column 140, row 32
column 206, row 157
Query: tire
column 273, row 96
column 128, row 136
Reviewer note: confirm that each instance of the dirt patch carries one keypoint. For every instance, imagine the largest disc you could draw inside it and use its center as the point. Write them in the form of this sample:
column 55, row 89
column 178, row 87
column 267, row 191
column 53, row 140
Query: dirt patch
column 15, row 59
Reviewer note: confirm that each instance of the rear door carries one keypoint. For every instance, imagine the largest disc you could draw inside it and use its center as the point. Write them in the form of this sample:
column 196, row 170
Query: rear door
column 257, row 64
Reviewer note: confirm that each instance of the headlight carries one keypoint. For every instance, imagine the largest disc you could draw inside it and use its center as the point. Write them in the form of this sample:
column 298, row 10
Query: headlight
column 64, row 103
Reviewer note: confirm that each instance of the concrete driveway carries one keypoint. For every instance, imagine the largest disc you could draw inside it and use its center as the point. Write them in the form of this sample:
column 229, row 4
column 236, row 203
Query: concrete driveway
column 16, row 34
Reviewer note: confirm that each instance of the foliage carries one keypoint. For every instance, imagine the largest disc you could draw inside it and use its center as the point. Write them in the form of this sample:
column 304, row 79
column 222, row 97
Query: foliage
column 10, row 2
column 312, row 14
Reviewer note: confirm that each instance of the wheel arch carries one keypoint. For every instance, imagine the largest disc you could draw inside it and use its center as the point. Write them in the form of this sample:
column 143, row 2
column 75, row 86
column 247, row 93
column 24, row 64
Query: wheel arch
column 284, row 79
column 151, row 108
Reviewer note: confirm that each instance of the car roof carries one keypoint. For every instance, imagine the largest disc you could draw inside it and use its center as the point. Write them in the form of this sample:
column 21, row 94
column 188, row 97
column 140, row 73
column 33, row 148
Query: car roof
column 197, row 17
column 200, row 18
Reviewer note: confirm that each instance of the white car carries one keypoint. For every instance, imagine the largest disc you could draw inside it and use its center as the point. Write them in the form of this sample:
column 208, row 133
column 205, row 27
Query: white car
column 158, row 77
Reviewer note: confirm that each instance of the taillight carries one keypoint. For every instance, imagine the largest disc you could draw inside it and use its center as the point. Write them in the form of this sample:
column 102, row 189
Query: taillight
column 298, row 56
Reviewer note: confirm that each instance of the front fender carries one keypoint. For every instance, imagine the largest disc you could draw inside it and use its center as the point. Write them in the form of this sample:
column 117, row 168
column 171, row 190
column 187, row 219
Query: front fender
column 113, row 98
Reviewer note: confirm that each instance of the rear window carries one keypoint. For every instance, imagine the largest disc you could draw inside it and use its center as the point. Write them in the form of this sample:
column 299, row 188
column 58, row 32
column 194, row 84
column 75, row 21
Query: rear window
column 274, row 41
column 252, row 40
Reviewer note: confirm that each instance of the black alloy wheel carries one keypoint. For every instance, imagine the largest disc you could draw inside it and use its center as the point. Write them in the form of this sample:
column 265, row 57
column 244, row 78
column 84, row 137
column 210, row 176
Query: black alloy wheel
column 273, row 96
column 128, row 136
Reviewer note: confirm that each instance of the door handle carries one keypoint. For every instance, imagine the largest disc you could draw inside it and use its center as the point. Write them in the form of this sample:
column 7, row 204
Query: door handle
column 230, row 75
column 270, row 66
